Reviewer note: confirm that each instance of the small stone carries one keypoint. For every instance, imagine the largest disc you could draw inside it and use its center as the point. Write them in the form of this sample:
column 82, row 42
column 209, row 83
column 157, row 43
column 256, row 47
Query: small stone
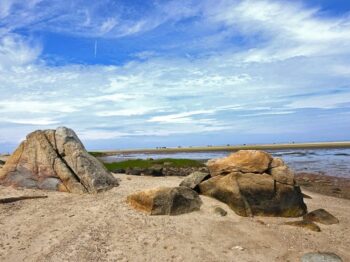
column 320, row 257
column 321, row 216
column 220, row 211
column 304, row 224
column 239, row 248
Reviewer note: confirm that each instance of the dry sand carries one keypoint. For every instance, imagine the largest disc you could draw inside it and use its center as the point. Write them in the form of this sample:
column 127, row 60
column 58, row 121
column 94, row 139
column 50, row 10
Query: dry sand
column 68, row 227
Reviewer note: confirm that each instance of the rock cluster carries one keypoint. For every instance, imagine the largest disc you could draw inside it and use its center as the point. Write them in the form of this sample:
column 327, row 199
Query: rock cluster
column 55, row 160
column 252, row 182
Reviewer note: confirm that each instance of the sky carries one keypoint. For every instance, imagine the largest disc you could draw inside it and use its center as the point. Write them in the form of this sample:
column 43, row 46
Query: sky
column 136, row 74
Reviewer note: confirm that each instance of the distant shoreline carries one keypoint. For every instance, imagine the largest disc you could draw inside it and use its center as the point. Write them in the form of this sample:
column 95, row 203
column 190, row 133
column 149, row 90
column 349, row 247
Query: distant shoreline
column 316, row 145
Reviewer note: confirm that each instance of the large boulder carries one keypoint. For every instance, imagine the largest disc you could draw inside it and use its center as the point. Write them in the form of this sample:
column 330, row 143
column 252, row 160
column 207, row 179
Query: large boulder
column 269, row 191
column 55, row 160
column 165, row 201
column 246, row 161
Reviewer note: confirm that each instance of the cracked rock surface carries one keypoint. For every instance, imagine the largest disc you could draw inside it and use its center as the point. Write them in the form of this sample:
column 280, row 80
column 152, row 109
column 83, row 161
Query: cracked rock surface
column 252, row 182
column 55, row 160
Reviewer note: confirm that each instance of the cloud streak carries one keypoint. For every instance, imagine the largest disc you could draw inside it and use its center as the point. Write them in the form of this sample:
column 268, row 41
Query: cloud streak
column 230, row 67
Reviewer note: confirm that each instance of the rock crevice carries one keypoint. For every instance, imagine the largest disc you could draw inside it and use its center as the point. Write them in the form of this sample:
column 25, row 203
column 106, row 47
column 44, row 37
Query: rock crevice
column 55, row 160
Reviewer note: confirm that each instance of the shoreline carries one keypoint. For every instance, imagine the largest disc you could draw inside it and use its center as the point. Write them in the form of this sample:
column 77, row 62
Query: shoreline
column 316, row 145
column 323, row 184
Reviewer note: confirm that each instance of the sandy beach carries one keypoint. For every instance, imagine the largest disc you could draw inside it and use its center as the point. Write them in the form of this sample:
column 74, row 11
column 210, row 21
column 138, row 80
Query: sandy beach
column 70, row 227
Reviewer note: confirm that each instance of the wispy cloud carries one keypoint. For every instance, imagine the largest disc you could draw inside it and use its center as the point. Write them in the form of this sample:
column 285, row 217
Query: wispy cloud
column 226, row 66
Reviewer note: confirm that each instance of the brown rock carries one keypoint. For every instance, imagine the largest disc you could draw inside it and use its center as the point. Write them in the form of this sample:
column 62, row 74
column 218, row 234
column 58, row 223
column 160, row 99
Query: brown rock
column 304, row 224
column 165, row 201
column 283, row 174
column 251, row 194
column 55, row 160
column 276, row 161
column 246, row 161
column 321, row 216
column 226, row 189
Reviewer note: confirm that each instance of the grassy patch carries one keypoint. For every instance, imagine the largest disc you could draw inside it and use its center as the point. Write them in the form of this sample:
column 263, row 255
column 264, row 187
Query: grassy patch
column 140, row 163
column 97, row 154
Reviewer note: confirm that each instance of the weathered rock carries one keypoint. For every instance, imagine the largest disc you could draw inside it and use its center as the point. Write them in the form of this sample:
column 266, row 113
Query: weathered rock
column 220, row 211
column 321, row 216
column 55, row 160
column 166, row 201
column 276, row 162
column 226, row 189
column 246, row 161
column 283, row 174
column 320, row 257
column 250, row 194
column 193, row 180
column 304, row 224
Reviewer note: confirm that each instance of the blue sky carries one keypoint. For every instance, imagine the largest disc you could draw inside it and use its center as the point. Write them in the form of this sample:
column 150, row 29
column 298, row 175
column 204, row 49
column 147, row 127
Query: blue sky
column 127, row 74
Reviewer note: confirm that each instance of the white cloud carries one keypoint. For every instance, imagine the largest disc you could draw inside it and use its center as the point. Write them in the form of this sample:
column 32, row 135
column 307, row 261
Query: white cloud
column 322, row 101
column 30, row 121
column 298, row 56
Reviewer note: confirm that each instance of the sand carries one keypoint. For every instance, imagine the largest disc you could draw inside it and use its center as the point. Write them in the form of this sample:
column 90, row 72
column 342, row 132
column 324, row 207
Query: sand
column 68, row 227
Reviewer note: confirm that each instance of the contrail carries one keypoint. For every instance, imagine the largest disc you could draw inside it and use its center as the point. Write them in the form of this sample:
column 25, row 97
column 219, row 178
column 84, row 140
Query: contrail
column 95, row 48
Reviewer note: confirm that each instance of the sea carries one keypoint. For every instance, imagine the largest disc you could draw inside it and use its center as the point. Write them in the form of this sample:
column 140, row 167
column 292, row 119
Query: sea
column 331, row 162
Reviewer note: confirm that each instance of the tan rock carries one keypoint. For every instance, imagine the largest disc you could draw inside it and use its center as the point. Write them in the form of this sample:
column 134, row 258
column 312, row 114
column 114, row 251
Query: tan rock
column 246, row 161
column 226, row 189
column 55, row 160
column 304, row 224
column 283, row 174
column 250, row 194
column 165, row 201
column 276, row 161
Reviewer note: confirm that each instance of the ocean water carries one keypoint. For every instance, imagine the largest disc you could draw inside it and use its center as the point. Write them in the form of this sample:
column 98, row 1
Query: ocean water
column 332, row 162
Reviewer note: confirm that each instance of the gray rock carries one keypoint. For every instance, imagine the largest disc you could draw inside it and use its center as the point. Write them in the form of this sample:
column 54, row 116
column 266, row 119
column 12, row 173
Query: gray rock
column 320, row 257
column 193, row 180
column 220, row 211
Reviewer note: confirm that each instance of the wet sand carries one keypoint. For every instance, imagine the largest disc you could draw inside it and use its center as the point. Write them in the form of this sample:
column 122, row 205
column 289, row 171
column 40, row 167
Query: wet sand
column 326, row 185
column 68, row 227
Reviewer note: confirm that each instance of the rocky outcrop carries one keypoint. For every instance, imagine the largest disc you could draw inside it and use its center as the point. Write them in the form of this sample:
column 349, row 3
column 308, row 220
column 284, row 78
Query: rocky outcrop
column 245, row 161
column 165, row 201
column 252, row 183
column 321, row 216
column 193, row 180
column 55, row 160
